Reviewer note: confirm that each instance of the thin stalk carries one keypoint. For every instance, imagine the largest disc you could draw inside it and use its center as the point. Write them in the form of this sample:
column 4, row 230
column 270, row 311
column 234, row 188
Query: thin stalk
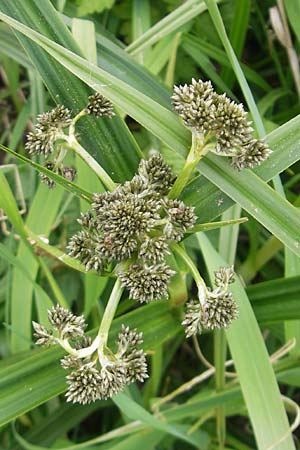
column 101, row 339
column 227, row 248
column 213, row 225
column 197, row 151
column 220, row 350
column 92, row 163
column 201, row 286
column 110, row 312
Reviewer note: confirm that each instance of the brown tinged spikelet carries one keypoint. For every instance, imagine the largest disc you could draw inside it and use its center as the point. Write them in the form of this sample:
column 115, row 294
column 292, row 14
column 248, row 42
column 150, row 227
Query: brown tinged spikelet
column 69, row 173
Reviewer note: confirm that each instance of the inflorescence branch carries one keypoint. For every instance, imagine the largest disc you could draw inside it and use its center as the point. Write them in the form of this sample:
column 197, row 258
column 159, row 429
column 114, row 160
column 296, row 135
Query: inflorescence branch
column 219, row 124
column 131, row 230
column 55, row 134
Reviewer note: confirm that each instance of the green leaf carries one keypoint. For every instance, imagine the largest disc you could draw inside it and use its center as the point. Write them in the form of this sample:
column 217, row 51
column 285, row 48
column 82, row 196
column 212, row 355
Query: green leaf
column 255, row 372
column 193, row 44
column 258, row 198
column 67, row 185
column 136, row 412
column 172, row 22
column 276, row 300
column 40, row 218
column 91, row 6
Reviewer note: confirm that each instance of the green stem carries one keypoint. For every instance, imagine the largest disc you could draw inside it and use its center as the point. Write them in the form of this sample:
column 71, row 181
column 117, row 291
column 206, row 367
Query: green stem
column 101, row 339
column 213, row 225
column 92, row 163
column 220, row 349
column 197, row 151
column 75, row 120
column 109, row 312
column 201, row 286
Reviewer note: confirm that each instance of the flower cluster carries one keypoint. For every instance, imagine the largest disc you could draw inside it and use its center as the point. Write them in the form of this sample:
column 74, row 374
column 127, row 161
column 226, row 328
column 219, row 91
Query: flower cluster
column 99, row 106
column 217, row 310
column 220, row 121
column 136, row 222
column 96, row 371
column 49, row 135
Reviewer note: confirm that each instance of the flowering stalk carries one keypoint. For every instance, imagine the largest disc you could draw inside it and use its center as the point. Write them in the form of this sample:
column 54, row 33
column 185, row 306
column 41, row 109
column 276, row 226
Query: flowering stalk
column 198, row 149
column 200, row 283
column 214, row 308
column 49, row 137
column 109, row 313
column 73, row 144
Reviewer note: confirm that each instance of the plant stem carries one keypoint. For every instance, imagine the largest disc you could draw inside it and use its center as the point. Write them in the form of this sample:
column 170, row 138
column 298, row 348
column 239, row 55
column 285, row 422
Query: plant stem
column 100, row 340
column 109, row 312
column 197, row 151
column 201, row 286
column 220, row 349
column 94, row 165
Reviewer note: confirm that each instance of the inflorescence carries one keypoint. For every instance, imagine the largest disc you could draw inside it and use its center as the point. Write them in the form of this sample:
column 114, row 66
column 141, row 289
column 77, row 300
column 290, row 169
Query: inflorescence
column 135, row 225
column 221, row 122
column 49, row 136
column 130, row 232
column 96, row 371
column 217, row 310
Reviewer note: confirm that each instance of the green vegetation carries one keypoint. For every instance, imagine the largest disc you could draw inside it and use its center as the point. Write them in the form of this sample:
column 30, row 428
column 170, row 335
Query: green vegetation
column 149, row 224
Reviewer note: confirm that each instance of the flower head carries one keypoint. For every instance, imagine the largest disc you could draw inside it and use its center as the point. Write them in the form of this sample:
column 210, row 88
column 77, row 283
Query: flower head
column 219, row 310
column 192, row 319
column 224, row 276
column 100, row 106
column 84, row 385
column 44, row 337
column 220, row 120
column 58, row 118
column 67, row 324
column 133, row 359
column 181, row 215
column 136, row 221
column 96, row 371
column 147, row 283
column 156, row 174
column 154, row 249
column 82, row 246
column 48, row 128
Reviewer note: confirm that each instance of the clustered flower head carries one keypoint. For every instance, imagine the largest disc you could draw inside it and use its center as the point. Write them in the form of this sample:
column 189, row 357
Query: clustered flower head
column 100, row 106
column 96, row 372
column 135, row 224
column 220, row 121
column 217, row 310
column 49, row 138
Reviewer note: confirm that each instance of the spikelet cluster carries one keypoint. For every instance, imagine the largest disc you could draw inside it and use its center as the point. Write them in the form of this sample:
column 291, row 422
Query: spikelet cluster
column 48, row 138
column 137, row 222
column 48, row 127
column 217, row 310
column 101, row 374
column 220, row 120
column 100, row 106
